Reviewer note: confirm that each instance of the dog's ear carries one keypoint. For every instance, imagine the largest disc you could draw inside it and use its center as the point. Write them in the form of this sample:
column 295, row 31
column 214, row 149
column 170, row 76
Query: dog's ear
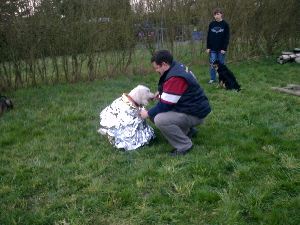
column 142, row 95
column 215, row 62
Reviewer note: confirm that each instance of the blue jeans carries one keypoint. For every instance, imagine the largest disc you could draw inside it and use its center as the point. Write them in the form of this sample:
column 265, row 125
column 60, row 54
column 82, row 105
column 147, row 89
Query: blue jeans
column 213, row 55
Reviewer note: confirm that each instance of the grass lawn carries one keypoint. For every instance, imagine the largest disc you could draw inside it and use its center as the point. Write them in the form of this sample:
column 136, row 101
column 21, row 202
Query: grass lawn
column 244, row 168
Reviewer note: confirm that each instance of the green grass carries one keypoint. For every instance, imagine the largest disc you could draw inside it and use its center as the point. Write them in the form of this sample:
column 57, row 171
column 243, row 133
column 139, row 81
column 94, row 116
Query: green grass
column 244, row 169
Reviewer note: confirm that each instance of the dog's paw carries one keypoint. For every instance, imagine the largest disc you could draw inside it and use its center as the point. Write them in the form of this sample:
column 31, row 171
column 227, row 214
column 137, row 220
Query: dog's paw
column 102, row 131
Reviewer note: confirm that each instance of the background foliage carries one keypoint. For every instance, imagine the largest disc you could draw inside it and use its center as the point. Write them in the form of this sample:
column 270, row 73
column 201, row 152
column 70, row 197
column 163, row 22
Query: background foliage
column 49, row 42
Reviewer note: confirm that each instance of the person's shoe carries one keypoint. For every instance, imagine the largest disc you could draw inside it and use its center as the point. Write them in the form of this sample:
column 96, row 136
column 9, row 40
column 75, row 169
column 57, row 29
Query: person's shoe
column 192, row 132
column 176, row 152
column 211, row 81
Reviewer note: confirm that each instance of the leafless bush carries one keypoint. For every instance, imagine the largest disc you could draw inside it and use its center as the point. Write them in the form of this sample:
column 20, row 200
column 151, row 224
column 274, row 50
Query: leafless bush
column 48, row 42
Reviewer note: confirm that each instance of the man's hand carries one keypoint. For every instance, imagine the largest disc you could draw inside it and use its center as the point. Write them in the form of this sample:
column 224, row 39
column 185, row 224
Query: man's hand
column 207, row 50
column 222, row 52
column 156, row 96
column 144, row 114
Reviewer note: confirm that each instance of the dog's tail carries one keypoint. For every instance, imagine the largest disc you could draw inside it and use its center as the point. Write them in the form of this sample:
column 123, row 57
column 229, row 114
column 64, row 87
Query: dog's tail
column 239, row 88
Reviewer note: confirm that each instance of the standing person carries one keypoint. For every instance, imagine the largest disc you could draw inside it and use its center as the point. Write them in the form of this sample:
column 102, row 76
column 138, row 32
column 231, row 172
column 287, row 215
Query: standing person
column 217, row 41
column 182, row 103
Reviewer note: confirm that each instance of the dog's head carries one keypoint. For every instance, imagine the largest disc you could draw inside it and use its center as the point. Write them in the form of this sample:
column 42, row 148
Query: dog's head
column 141, row 95
column 7, row 101
column 216, row 64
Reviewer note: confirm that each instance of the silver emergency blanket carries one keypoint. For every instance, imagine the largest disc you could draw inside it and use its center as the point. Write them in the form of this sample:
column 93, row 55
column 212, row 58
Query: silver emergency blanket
column 122, row 123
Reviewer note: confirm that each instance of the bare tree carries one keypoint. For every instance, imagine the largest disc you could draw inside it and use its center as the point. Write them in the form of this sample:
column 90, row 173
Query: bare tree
column 52, row 41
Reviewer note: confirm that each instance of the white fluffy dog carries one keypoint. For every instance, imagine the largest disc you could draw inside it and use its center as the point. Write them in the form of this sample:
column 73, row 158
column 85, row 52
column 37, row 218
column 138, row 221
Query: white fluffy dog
column 141, row 95
column 121, row 121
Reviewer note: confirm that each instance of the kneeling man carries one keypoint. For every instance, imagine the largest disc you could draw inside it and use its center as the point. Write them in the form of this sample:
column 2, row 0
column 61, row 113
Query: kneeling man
column 182, row 103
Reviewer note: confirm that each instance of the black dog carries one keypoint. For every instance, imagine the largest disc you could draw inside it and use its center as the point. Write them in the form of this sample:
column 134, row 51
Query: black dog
column 5, row 104
column 226, row 77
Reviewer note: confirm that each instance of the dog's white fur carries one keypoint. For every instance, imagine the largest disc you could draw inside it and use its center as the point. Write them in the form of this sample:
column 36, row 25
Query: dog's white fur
column 141, row 95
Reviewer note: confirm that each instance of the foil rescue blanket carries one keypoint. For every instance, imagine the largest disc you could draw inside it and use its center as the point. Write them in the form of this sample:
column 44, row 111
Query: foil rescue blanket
column 123, row 125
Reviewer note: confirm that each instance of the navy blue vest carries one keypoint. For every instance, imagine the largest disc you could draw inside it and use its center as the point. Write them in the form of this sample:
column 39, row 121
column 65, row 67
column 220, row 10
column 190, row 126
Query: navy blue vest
column 193, row 101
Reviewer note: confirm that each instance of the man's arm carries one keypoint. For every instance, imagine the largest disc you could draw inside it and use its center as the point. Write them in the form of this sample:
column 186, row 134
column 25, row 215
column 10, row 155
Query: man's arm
column 226, row 37
column 172, row 92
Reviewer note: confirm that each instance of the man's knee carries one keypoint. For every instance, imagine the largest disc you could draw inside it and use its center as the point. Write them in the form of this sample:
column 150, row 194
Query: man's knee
column 160, row 120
